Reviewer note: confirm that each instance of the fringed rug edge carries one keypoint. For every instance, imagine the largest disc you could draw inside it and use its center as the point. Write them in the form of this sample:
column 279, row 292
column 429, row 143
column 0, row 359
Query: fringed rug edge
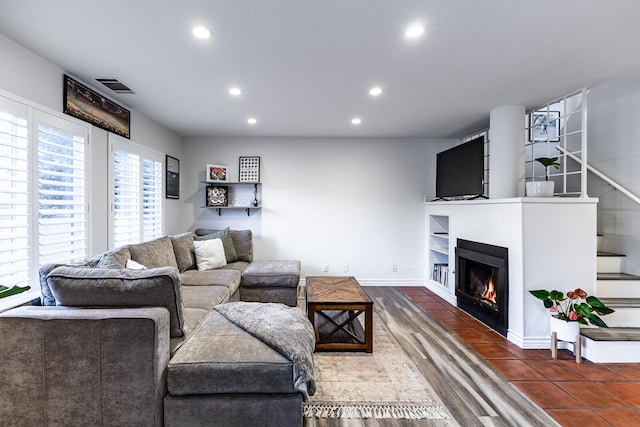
column 409, row 411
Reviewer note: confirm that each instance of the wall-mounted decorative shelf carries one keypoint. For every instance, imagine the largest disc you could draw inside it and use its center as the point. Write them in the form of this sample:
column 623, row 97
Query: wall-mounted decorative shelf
column 234, row 188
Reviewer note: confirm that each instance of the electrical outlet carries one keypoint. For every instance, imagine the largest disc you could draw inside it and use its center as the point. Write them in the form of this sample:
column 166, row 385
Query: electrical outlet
column 326, row 268
column 395, row 268
column 345, row 268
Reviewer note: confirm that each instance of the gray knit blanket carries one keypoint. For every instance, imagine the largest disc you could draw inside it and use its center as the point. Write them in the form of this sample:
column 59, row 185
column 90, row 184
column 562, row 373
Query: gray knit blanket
column 283, row 328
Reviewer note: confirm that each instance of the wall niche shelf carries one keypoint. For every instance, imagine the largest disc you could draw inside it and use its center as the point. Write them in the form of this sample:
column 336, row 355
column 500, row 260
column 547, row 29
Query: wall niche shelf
column 240, row 195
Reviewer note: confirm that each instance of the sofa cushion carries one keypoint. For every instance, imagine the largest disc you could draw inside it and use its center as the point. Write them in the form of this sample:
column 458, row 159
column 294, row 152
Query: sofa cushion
column 192, row 319
column 209, row 254
column 102, row 287
column 154, row 253
column 204, row 297
column 242, row 242
column 281, row 273
column 220, row 357
column 183, row 250
column 230, row 279
column 229, row 249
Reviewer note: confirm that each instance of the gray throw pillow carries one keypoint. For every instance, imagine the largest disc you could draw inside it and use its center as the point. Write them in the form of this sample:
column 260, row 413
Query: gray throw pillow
column 101, row 287
column 116, row 258
column 155, row 253
column 183, row 250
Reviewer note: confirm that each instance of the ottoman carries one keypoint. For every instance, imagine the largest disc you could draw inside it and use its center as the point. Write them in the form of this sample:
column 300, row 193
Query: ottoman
column 271, row 281
column 224, row 376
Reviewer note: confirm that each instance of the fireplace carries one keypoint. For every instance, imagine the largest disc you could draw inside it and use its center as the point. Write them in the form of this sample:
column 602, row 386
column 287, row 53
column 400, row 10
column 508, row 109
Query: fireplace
column 482, row 283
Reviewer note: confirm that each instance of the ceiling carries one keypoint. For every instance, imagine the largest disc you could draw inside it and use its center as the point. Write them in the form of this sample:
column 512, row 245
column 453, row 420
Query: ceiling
column 305, row 67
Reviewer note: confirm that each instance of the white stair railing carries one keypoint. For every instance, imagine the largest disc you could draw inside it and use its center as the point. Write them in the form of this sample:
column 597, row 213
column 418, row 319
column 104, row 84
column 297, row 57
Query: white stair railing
column 601, row 175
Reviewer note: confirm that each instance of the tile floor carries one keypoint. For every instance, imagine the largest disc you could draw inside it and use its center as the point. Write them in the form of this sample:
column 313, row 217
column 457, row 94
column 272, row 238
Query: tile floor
column 586, row 394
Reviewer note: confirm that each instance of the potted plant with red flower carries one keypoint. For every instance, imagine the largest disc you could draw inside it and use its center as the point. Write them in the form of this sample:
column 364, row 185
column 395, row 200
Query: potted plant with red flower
column 575, row 308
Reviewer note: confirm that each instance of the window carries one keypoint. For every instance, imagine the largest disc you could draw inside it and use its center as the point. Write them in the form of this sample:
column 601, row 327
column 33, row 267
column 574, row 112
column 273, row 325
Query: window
column 43, row 192
column 136, row 196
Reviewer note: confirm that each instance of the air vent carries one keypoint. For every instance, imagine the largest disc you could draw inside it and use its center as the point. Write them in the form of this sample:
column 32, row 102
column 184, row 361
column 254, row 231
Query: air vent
column 116, row 85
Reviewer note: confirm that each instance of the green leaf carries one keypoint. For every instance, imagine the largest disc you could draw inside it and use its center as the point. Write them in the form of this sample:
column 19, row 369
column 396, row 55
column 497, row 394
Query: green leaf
column 2, row 288
column 597, row 321
column 540, row 294
column 556, row 295
column 13, row 291
column 548, row 303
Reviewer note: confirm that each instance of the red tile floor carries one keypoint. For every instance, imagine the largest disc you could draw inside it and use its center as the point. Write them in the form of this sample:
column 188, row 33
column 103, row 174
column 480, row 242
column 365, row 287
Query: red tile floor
column 586, row 394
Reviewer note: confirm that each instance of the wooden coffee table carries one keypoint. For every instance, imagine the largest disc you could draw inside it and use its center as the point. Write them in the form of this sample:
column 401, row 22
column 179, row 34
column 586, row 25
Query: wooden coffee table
column 334, row 304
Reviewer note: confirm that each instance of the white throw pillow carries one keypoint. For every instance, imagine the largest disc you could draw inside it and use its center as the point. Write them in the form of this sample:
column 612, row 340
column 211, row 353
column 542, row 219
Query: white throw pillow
column 133, row 265
column 209, row 254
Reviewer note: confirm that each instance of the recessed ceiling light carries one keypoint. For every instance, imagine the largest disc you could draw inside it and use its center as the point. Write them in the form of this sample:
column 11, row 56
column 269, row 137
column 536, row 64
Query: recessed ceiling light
column 252, row 121
column 356, row 121
column 414, row 31
column 235, row 91
column 375, row 91
column 201, row 32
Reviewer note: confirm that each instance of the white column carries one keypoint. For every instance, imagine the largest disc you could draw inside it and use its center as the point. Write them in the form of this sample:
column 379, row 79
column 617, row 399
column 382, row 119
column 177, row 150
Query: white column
column 506, row 152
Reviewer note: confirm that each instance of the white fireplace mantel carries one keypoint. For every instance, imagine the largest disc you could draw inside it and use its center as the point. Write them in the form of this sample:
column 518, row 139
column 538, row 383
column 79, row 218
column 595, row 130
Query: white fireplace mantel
column 552, row 244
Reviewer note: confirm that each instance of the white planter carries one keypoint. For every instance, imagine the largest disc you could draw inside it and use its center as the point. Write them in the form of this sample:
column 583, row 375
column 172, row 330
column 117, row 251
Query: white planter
column 565, row 331
column 539, row 188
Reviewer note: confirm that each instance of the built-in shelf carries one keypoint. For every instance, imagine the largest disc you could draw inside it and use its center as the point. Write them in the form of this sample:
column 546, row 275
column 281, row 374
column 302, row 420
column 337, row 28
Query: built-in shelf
column 438, row 258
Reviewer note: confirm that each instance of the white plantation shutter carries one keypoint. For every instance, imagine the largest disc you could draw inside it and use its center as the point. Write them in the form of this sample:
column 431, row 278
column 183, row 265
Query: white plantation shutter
column 15, row 219
column 152, row 218
column 137, row 202
column 62, row 200
column 43, row 191
column 126, row 206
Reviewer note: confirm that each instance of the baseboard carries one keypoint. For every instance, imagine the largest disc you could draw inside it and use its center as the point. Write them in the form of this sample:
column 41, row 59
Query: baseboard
column 380, row 282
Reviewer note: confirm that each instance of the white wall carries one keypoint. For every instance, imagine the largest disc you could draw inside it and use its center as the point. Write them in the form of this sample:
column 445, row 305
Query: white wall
column 32, row 77
column 326, row 201
column 614, row 148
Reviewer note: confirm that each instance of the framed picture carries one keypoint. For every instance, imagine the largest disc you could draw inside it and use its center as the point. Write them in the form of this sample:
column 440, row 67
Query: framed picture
column 217, row 195
column 217, row 173
column 249, row 170
column 86, row 104
column 543, row 125
column 172, row 166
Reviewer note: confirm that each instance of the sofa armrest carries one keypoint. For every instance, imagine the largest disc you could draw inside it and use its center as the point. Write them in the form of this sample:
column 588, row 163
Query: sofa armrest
column 74, row 366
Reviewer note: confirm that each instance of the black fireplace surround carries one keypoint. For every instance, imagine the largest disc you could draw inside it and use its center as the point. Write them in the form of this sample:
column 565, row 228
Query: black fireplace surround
column 482, row 283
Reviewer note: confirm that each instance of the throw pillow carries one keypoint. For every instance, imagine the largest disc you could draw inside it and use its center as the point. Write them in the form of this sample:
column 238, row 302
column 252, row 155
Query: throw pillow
column 133, row 265
column 155, row 253
column 109, row 261
column 183, row 250
column 227, row 242
column 116, row 258
column 209, row 254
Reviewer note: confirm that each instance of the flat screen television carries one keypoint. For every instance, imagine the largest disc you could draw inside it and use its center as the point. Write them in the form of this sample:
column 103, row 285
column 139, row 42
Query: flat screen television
column 460, row 171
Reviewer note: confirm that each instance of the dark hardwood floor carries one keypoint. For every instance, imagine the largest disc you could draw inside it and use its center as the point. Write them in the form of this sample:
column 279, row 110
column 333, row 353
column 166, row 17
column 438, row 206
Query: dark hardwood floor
column 473, row 391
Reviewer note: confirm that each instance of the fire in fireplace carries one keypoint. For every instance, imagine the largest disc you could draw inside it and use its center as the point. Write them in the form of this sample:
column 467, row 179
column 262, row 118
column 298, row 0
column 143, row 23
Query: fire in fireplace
column 482, row 282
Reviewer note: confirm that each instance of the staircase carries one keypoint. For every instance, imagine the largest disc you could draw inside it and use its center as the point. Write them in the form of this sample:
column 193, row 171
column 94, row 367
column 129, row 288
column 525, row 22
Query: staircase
column 620, row 343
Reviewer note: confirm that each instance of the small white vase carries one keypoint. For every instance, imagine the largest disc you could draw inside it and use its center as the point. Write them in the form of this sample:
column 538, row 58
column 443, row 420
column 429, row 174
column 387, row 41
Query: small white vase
column 539, row 188
column 565, row 331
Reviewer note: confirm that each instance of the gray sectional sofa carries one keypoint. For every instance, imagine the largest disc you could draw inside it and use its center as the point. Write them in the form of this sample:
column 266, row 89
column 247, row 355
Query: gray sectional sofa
column 118, row 346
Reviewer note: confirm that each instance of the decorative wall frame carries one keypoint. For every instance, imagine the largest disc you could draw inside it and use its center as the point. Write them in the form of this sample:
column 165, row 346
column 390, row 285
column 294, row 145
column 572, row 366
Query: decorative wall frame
column 217, row 195
column 543, row 125
column 88, row 105
column 172, row 184
column 249, row 170
column 217, row 173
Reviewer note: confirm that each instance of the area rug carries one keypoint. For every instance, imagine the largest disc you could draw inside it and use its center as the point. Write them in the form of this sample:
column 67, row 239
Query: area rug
column 384, row 384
